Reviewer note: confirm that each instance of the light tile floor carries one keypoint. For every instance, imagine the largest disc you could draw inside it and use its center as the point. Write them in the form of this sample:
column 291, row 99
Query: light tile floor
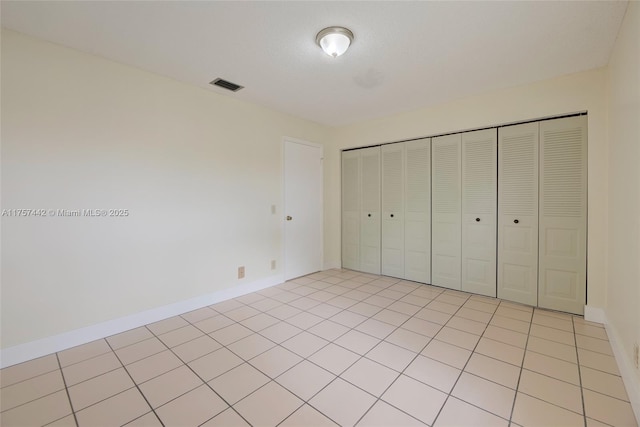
column 335, row 347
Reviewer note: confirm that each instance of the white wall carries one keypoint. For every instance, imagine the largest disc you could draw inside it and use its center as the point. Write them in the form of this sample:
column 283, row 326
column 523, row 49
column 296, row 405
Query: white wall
column 568, row 94
column 197, row 171
column 623, row 284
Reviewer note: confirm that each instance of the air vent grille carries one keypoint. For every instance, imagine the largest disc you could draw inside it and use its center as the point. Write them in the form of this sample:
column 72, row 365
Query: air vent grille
column 226, row 85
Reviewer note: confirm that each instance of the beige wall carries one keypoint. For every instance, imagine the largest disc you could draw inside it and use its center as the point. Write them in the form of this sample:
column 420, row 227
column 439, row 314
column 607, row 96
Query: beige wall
column 197, row 171
column 573, row 93
column 623, row 289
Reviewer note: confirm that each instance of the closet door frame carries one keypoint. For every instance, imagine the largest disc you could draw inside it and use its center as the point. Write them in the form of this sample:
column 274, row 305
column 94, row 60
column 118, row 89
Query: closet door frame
column 417, row 210
column 518, row 213
column 446, row 208
column 563, row 215
column 540, row 251
column 370, row 197
column 350, row 207
column 393, row 166
column 479, row 211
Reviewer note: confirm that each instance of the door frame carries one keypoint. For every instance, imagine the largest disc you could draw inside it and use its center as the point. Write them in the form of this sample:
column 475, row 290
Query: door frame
column 288, row 140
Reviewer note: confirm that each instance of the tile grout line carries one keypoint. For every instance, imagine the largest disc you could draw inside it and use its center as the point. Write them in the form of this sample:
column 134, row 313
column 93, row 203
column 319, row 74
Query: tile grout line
column 342, row 309
column 37, row 398
column 66, row 389
column 135, row 384
column 348, row 367
column 346, row 309
column 462, row 370
column 584, row 408
column 557, row 379
column 363, row 356
column 383, row 339
column 205, row 383
column 303, row 359
column 452, row 315
column 524, row 355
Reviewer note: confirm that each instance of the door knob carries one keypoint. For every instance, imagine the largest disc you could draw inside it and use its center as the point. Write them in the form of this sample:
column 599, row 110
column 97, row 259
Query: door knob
column 515, row 221
column 477, row 219
column 369, row 215
column 391, row 215
column 289, row 218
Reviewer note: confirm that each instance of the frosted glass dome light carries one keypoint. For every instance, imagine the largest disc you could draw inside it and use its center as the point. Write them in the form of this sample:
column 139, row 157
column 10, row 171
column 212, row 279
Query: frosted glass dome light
column 334, row 40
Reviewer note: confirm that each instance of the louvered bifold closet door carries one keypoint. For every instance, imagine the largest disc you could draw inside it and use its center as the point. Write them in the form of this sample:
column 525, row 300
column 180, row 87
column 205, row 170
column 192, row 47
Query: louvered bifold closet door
column 370, row 210
column 393, row 210
column 445, row 211
column 417, row 211
column 518, row 213
column 479, row 206
column 562, row 277
column 351, row 209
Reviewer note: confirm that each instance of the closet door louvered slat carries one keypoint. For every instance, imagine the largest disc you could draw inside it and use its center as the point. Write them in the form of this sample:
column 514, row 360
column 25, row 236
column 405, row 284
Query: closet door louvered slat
column 518, row 213
column 370, row 212
column 563, row 214
column 392, row 210
column 445, row 212
column 351, row 210
column 479, row 194
column 417, row 211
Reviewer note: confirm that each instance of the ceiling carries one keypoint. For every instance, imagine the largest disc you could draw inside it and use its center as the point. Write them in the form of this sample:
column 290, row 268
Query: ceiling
column 406, row 55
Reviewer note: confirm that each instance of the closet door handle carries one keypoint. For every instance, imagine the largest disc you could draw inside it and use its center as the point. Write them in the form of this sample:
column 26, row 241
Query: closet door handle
column 391, row 215
column 477, row 219
column 369, row 215
column 515, row 221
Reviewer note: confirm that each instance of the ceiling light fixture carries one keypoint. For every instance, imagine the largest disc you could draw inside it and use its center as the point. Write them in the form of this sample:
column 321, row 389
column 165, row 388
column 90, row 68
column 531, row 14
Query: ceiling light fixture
column 334, row 40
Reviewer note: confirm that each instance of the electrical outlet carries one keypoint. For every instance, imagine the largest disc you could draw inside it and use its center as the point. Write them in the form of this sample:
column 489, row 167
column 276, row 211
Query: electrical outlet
column 241, row 272
column 273, row 264
column 636, row 355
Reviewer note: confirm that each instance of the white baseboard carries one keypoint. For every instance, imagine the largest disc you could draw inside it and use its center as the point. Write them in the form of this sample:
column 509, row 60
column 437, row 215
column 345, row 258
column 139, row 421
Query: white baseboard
column 38, row 348
column 625, row 364
column 594, row 314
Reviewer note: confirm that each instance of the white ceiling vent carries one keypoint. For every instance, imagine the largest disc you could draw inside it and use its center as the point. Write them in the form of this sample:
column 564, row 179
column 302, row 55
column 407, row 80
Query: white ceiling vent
column 226, row 85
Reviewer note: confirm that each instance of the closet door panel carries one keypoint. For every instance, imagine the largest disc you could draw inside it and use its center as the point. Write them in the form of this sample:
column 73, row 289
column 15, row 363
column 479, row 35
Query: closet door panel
column 417, row 211
column 370, row 212
column 479, row 206
column 563, row 219
column 518, row 213
column 351, row 210
column 392, row 210
column 446, row 207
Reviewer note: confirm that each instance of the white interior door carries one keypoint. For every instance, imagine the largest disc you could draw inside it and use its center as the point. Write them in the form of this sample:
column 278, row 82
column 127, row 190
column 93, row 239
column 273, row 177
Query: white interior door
column 370, row 211
column 518, row 213
column 392, row 210
column 562, row 277
column 417, row 211
column 351, row 209
column 479, row 205
column 303, row 208
column 445, row 211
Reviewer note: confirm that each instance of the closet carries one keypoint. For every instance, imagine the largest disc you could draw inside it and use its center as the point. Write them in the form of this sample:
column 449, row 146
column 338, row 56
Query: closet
column 464, row 197
column 446, row 244
column 479, row 211
column 518, row 213
column 542, row 230
column 406, row 210
column 361, row 210
column 497, row 212
column 562, row 259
